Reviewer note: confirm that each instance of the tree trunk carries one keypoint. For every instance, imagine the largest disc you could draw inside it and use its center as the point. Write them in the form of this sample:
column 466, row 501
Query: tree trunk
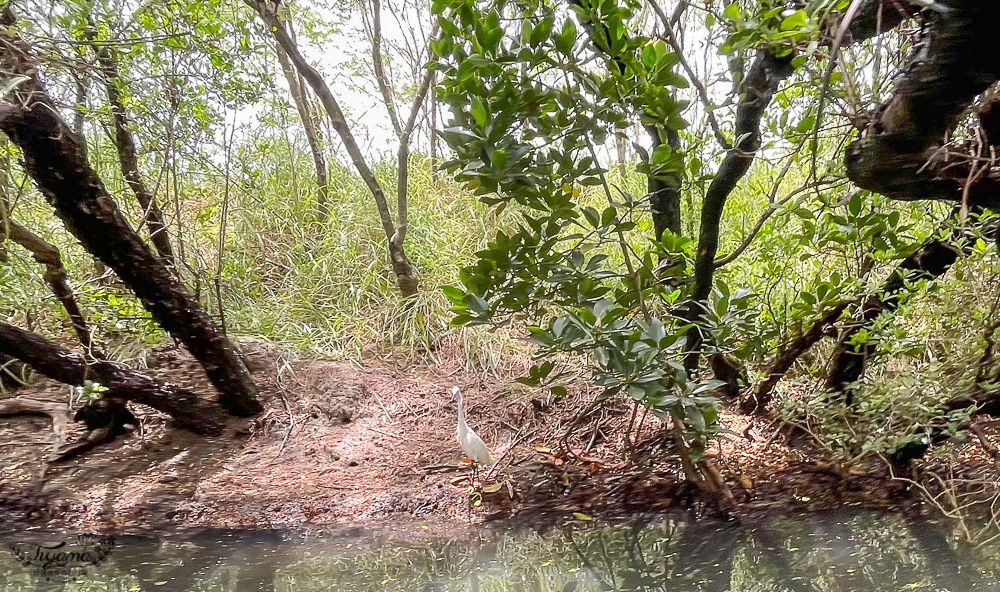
column 664, row 192
column 128, row 157
column 312, row 132
column 52, row 360
column 401, row 265
column 57, row 279
column 54, row 160
column 757, row 91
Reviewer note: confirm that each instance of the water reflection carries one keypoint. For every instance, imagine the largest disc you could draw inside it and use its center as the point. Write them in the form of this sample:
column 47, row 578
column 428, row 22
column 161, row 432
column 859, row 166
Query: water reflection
column 832, row 552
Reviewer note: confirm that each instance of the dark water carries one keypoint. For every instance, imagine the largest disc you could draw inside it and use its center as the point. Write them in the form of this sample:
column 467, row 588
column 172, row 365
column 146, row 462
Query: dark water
column 844, row 551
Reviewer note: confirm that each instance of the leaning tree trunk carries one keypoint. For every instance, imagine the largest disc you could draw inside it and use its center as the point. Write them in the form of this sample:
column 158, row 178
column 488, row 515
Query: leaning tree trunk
column 901, row 157
column 406, row 274
column 128, row 157
column 53, row 158
column 58, row 363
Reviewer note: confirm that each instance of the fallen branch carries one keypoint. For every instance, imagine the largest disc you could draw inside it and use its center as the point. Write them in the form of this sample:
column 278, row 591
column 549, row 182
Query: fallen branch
column 58, row 363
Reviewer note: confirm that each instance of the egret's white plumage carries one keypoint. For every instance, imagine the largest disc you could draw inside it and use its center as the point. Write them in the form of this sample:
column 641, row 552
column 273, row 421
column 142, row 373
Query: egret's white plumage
column 470, row 442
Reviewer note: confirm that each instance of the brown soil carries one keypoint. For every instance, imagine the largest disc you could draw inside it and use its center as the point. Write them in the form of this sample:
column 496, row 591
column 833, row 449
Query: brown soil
column 343, row 444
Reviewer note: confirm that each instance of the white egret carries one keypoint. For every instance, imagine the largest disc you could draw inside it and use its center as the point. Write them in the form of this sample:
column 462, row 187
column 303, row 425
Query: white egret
column 470, row 442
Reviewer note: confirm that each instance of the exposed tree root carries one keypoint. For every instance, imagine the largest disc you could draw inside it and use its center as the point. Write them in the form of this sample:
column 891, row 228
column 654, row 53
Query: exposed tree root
column 106, row 419
column 57, row 412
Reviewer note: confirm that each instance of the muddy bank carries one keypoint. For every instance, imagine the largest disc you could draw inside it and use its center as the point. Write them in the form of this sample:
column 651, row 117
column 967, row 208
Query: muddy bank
column 341, row 444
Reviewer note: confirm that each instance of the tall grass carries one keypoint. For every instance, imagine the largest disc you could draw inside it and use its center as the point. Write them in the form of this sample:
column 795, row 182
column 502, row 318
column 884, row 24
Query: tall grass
column 320, row 287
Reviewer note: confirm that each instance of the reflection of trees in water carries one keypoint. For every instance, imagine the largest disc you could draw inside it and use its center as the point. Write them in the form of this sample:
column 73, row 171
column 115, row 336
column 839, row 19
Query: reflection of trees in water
column 860, row 551
column 840, row 552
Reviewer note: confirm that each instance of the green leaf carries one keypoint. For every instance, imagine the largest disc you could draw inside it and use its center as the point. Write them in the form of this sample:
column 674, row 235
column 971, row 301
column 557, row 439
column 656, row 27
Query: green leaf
column 541, row 31
column 479, row 112
column 854, row 206
column 649, row 57
column 806, row 125
column 567, row 38
column 453, row 294
column 732, row 12
column 794, row 21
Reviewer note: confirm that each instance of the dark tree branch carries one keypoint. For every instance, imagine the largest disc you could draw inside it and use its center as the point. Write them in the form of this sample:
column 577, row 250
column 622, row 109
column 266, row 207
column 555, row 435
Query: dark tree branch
column 757, row 91
column 902, row 156
column 877, row 16
column 52, row 360
column 665, row 190
column 989, row 116
column 758, row 400
column 57, row 279
column 934, row 257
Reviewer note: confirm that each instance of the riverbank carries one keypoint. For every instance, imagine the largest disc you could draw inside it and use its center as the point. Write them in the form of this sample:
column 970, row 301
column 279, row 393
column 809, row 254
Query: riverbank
column 346, row 444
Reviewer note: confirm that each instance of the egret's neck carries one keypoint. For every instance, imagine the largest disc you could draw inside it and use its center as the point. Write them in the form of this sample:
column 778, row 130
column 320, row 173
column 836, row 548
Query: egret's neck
column 461, row 410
